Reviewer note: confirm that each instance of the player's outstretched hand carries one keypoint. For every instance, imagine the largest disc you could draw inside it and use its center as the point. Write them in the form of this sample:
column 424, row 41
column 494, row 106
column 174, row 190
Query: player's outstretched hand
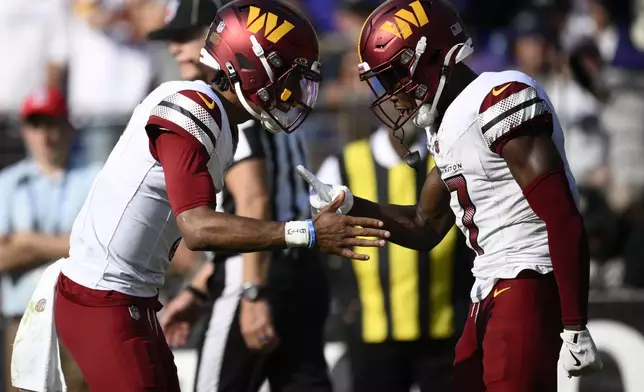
column 579, row 355
column 337, row 234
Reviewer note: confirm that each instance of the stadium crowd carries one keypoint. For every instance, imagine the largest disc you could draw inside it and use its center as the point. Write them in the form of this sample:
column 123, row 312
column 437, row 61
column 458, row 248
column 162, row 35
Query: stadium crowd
column 88, row 63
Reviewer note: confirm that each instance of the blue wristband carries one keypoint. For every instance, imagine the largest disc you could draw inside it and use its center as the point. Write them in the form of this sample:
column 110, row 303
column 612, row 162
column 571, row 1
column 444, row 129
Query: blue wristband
column 311, row 233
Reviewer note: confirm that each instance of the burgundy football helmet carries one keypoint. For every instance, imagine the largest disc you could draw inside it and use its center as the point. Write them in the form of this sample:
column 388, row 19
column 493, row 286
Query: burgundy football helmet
column 406, row 49
column 269, row 53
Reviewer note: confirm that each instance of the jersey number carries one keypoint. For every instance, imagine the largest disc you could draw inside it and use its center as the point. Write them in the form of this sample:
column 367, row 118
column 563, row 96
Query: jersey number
column 459, row 185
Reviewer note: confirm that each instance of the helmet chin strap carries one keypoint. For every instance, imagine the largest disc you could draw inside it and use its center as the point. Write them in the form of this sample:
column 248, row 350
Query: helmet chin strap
column 426, row 115
column 267, row 121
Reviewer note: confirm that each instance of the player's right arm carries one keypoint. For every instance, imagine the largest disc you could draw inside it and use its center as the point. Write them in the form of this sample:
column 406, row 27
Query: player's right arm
column 184, row 144
column 419, row 227
column 203, row 228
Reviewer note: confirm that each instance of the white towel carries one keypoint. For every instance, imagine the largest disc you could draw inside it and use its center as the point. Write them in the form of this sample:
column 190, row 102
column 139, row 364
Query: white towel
column 35, row 362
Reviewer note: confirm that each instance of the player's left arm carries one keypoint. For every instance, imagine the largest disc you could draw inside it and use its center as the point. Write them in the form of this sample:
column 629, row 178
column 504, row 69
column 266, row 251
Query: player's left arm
column 537, row 166
column 517, row 123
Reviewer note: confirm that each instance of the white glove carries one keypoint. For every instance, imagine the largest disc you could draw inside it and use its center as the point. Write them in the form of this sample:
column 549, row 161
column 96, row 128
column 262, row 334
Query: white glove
column 578, row 354
column 323, row 194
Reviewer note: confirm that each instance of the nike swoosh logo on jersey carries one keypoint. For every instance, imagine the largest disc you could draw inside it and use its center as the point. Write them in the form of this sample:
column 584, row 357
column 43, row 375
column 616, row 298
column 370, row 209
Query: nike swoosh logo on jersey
column 498, row 91
column 209, row 104
column 577, row 361
column 497, row 292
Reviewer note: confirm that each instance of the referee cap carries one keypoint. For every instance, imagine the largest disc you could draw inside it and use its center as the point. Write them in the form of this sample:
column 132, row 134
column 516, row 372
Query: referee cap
column 185, row 15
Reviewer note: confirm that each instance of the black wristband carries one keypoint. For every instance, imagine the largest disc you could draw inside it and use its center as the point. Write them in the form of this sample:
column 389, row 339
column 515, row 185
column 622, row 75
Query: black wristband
column 200, row 295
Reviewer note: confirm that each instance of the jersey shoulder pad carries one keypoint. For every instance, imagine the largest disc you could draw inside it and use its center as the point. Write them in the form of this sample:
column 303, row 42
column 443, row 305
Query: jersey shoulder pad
column 509, row 106
column 192, row 111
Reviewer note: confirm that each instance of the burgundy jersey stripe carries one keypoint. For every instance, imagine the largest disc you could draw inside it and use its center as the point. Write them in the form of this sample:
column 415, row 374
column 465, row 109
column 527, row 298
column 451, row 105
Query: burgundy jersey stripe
column 501, row 92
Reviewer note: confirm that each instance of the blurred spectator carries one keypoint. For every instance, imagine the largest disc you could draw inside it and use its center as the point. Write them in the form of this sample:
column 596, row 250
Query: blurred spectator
column 33, row 43
column 603, row 229
column 637, row 28
column 494, row 14
column 622, row 117
column 577, row 109
column 577, row 93
column 532, row 48
column 324, row 14
column 40, row 199
column 342, row 114
column 110, row 67
column 490, row 51
column 342, row 82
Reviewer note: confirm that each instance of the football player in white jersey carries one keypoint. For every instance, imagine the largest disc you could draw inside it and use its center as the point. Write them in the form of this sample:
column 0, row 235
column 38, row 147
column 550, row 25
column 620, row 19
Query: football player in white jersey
column 159, row 184
column 501, row 173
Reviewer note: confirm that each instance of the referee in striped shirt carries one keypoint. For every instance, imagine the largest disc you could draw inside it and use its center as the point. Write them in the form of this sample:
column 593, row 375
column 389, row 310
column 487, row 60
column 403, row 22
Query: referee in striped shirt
column 269, row 309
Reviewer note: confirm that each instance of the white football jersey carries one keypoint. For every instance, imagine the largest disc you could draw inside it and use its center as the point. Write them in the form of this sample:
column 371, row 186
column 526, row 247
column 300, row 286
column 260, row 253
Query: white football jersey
column 490, row 208
column 122, row 237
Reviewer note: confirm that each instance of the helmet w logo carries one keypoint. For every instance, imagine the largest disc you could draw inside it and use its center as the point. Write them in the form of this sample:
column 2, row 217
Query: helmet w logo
column 273, row 33
column 404, row 19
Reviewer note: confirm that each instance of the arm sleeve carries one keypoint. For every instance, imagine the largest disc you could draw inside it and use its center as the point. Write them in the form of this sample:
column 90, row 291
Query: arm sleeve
column 552, row 201
column 508, row 109
column 185, row 166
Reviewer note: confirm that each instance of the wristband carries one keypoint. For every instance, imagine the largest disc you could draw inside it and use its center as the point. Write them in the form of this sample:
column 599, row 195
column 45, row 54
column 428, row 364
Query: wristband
column 311, row 233
column 297, row 234
column 200, row 295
